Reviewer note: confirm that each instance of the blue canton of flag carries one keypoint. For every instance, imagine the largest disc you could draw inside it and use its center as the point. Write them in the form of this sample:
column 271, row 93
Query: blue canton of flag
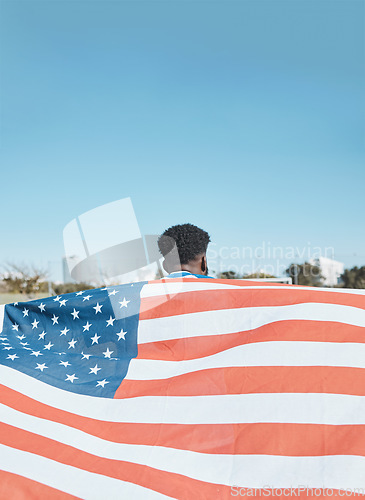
column 81, row 342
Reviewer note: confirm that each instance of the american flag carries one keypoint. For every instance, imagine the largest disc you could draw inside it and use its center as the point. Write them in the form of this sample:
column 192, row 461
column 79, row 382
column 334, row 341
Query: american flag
column 185, row 389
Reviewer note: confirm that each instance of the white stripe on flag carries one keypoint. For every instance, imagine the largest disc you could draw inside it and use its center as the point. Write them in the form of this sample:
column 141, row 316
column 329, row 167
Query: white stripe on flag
column 167, row 288
column 331, row 471
column 214, row 468
column 284, row 353
column 78, row 482
column 331, row 409
column 227, row 321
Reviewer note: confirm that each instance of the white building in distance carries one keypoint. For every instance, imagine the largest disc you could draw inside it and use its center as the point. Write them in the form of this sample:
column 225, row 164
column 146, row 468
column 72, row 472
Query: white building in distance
column 66, row 273
column 331, row 270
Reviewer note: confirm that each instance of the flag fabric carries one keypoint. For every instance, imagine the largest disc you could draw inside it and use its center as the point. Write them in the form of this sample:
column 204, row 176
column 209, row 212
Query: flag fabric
column 184, row 389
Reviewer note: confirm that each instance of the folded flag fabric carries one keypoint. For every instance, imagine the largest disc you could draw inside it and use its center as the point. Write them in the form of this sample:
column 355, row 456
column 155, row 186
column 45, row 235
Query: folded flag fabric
column 184, row 389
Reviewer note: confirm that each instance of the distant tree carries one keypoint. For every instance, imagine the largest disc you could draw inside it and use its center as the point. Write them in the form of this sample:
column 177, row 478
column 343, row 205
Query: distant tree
column 229, row 275
column 232, row 275
column 354, row 277
column 254, row 276
column 20, row 278
column 61, row 288
column 305, row 274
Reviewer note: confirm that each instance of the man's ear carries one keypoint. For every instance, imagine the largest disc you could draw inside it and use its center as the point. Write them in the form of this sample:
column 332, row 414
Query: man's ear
column 203, row 265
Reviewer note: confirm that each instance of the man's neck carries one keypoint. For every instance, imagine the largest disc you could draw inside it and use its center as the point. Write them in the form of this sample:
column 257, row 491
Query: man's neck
column 194, row 266
column 188, row 269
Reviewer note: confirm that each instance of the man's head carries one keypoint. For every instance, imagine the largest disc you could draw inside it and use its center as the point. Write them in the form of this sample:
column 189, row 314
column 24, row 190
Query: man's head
column 184, row 247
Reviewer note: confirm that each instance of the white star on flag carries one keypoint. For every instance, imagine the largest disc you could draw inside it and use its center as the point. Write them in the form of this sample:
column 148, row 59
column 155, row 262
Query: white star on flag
column 72, row 343
column 41, row 367
column 48, row 346
column 86, row 356
column 42, row 335
column 101, row 383
column 95, row 370
column 71, row 378
column 97, row 308
column 34, row 324
column 107, row 353
column 15, row 327
column 12, row 356
column 124, row 303
column 121, row 334
column 95, row 339
column 65, row 363
column 36, row 353
column 25, row 312
column 87, row 326
column 63, row 302
column 87, row 297
column 42, row 307
column 55, row 319
column 75, row 314
column 64, row 331
column 110, row 321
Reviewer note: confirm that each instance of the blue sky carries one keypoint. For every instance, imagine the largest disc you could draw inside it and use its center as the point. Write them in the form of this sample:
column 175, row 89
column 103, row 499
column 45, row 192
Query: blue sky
column 243, row 117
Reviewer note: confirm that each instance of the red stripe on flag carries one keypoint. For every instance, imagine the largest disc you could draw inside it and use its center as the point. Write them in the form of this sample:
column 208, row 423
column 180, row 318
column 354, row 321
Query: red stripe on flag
column 251, row 379
column 290, row 439
column 168, row 483
column 208, row 300
column 15, row 487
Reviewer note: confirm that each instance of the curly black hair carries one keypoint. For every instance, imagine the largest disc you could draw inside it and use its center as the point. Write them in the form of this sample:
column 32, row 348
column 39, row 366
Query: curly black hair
column 190, row 241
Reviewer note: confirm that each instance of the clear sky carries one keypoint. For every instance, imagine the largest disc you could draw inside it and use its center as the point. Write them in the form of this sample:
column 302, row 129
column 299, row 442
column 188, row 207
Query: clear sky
column 243, row 117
